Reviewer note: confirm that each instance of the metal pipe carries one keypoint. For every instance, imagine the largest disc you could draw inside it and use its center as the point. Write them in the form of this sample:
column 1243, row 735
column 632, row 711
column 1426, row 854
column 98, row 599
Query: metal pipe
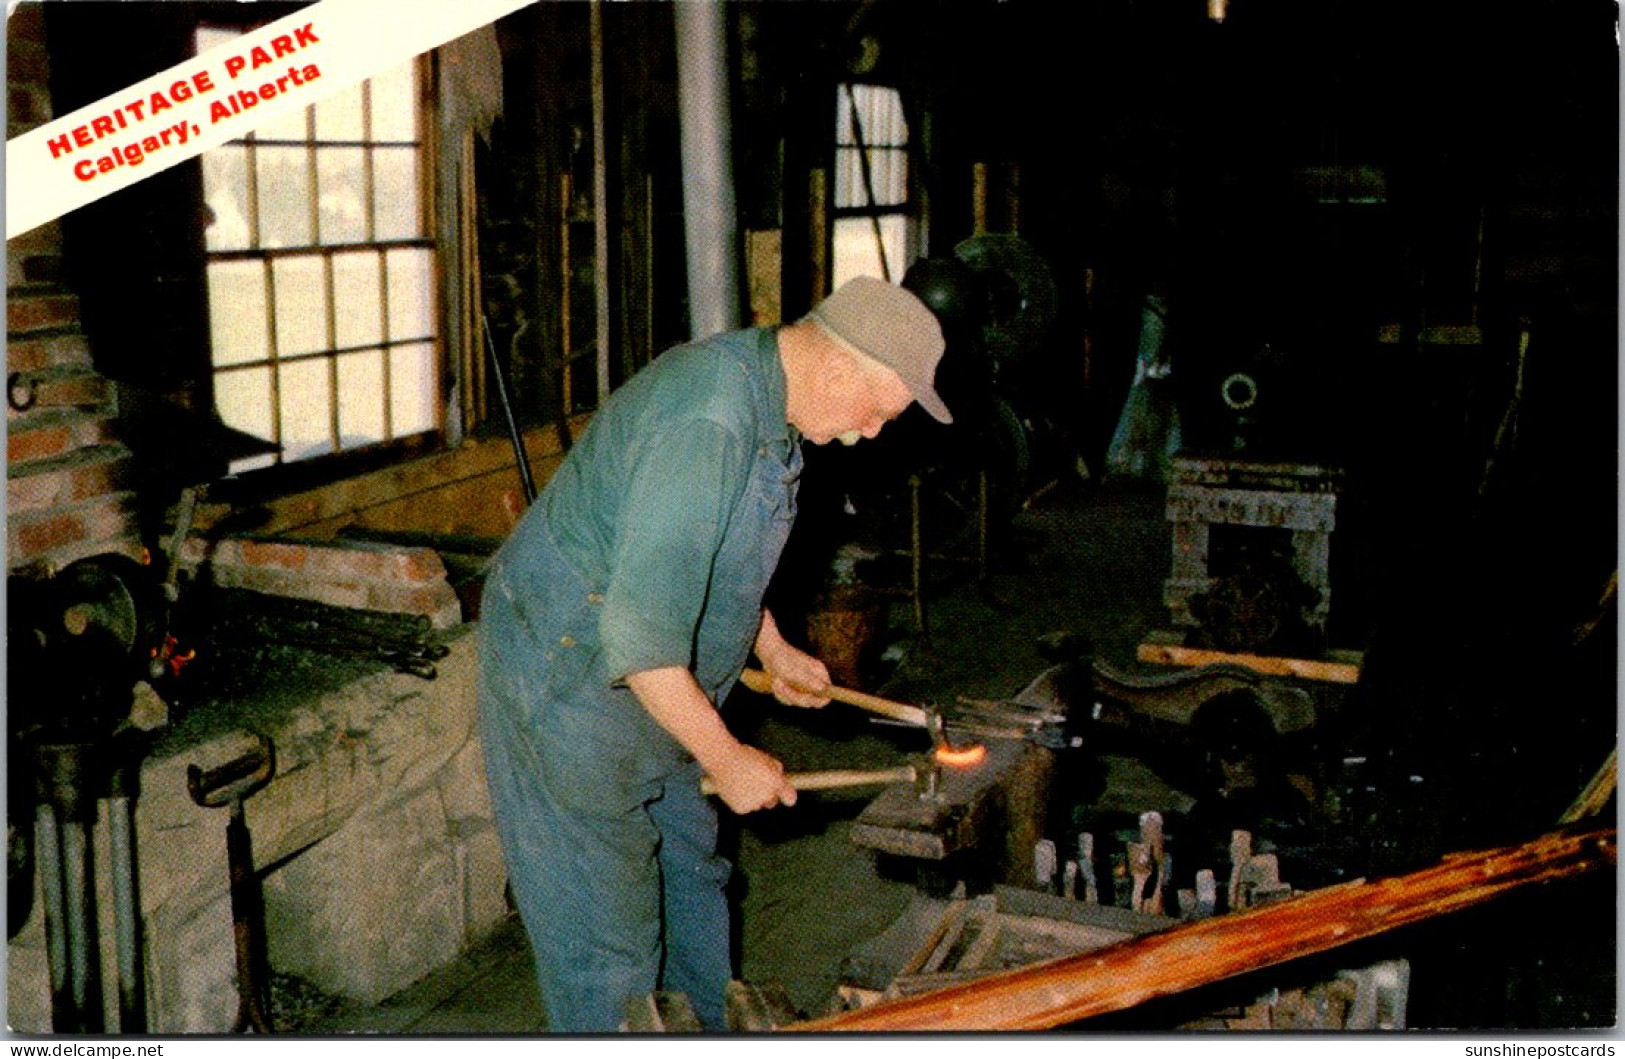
column 48, row 855
column 81, row 939
column 710, row 216
column 126, row 916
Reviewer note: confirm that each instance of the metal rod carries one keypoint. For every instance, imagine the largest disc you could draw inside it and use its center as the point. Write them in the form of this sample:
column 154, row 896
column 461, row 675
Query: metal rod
column 600, row 203
column 126, row 916
column 521, row 459
column 81, row 940
column 48, row 853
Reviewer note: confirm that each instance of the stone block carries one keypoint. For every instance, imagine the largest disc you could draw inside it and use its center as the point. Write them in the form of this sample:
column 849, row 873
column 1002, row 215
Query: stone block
column 399, row 913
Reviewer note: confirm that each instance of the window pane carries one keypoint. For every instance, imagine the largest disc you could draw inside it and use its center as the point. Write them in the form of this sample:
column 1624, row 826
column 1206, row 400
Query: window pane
column 855, row 251
column 394, row 104
column 306, row 400
column 237, row 321
column 395, row 174
column 338, row 117
column 361, row 398
column 301, row 305
column 343, row 185
column 294, row 125
column 243, row 399
column 411, row 295
column 225, row 190
column 285, row 195
column 357, row 299
column 213, row 36
column 412, row 388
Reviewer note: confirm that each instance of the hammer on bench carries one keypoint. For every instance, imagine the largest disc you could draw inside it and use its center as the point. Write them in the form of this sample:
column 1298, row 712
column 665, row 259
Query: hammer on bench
column 230, row 785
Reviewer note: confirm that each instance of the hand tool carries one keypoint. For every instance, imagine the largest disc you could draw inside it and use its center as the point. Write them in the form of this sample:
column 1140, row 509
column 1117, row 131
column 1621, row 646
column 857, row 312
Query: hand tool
column 917, row 716
column 834, row 779
column 1207, row 893
column 1157, row 860
column 1044, row 865
column 231, row 784
column 1086, row 864
column 1241, row 851
column 1139, row 873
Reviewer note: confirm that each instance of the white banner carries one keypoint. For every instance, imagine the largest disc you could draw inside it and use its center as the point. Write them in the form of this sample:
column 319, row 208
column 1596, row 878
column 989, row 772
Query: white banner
column 222, row 94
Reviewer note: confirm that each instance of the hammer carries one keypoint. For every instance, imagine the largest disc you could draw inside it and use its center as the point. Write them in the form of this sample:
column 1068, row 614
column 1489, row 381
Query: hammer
column 925, row 774
column 918, row 716
column 835, row 779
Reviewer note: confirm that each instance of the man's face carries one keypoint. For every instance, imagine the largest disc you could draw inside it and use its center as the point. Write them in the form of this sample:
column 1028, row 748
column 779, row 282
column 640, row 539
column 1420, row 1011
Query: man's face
column 857, row 407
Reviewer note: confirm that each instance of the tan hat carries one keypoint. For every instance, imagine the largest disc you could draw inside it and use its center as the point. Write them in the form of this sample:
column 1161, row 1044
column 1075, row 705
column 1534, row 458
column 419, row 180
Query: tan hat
column 887, row 323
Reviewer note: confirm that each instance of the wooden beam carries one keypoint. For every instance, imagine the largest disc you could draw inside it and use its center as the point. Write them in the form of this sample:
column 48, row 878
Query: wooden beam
column 1067, row 990
column 1331, row 670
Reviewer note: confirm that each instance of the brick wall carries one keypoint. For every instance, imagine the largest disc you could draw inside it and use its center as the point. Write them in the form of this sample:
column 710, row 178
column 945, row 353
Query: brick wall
column 68, row 476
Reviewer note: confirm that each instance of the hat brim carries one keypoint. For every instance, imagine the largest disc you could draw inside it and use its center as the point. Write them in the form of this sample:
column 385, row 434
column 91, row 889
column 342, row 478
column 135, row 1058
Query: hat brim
column 928, row 400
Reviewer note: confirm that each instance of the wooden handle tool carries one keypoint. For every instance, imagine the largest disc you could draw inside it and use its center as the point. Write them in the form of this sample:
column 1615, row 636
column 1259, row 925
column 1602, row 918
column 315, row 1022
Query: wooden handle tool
column 833, row 779
column 760, row 682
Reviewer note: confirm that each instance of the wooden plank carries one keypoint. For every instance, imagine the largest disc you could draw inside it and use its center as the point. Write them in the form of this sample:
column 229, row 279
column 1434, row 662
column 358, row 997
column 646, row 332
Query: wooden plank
column 1065, row 991
column 1342, row 668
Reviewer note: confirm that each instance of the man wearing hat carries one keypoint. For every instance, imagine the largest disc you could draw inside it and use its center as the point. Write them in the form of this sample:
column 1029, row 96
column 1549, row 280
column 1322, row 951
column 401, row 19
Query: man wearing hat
column 621, row 611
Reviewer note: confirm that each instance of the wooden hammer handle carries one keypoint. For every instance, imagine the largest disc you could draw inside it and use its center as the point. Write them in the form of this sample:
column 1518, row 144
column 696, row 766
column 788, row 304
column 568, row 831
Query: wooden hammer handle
column 832, row 779
column 760, row 682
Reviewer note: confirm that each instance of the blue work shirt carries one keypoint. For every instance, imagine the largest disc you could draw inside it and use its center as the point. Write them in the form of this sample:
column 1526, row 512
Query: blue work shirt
column 651, row 546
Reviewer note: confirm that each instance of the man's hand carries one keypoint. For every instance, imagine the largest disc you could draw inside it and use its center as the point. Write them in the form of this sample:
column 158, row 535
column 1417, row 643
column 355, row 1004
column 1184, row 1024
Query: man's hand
column 799, row 679
column 750, row 779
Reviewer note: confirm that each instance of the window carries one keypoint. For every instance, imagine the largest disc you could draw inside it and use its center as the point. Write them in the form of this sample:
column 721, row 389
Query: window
column 873, row 235
column 321, row 273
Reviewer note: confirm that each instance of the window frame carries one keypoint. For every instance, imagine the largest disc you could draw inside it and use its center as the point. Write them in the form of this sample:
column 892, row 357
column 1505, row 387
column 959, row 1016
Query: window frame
column 861, row 140
column 287, row 475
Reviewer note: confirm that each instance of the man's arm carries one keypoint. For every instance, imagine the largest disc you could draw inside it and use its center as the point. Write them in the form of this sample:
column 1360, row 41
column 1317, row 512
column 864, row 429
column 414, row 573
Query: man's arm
column 747, row 778
column 799, row 679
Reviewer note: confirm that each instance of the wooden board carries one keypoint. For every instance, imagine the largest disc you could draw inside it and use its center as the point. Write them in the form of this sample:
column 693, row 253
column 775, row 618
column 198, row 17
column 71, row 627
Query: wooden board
column 1342, row 667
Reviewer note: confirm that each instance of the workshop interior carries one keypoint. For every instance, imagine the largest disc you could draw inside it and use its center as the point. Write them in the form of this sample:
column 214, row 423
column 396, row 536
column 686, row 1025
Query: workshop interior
column 1242, row 659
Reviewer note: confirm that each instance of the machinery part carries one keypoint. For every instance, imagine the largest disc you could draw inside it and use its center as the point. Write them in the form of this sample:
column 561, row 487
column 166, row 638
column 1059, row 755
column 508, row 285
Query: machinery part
column 1020, row 291
column 107, row 604
column 1239, row 391
column 231, row 784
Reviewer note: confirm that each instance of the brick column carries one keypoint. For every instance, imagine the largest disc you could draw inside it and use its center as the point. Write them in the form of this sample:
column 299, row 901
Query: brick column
column 68, row 476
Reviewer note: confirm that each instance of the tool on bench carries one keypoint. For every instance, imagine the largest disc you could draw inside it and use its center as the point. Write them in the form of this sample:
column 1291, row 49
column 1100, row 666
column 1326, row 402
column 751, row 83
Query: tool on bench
column 918, row 716
column 231, row 784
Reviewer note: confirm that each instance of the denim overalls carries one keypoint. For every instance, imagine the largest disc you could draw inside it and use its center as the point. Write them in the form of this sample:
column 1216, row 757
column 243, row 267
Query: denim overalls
column 609, row 843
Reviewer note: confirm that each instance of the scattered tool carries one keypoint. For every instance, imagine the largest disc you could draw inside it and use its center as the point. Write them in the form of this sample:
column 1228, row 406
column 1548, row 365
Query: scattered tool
column 1044, row 864
column 1086, row 864
column 1241, row 852
column 231, row 784
column 917, row 716
column 1157, row 860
